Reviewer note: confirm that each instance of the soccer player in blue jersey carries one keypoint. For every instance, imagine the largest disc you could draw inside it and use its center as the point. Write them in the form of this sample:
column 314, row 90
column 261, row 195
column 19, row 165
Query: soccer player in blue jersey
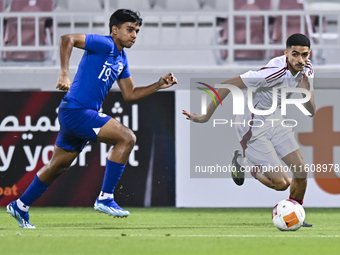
column 104, row 62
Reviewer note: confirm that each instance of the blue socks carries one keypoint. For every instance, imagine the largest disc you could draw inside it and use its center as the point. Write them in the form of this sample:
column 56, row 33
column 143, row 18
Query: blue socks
column 113, row 172
column 34, row 191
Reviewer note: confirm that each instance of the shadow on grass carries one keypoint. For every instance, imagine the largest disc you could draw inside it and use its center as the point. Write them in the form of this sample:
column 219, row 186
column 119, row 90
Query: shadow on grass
column 221, row 226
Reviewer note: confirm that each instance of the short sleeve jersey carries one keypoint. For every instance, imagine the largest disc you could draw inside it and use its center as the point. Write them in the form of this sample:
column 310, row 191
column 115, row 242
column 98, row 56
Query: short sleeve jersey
column 274, row 75
column 101, row 65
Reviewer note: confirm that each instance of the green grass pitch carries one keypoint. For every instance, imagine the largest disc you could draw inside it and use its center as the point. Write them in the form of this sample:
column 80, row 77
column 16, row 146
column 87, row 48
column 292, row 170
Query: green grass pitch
column 167, row 231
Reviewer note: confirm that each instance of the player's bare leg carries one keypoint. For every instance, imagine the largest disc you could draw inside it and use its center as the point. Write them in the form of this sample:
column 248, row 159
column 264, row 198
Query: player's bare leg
column 299, row 182
column 277, row 180
column 123, row 139
column 59, row 164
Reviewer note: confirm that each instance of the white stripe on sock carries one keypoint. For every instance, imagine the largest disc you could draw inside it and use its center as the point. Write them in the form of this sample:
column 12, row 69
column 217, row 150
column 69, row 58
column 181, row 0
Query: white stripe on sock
column 104, row 195
column 22, row 206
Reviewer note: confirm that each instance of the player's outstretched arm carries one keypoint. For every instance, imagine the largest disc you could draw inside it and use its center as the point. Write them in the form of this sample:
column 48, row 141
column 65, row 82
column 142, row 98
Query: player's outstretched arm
column 223, row 93
column 67, row 42
column 132, row 94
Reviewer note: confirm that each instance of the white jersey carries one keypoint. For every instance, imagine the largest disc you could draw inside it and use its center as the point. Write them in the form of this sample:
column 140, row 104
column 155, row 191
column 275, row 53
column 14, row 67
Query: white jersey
column 274, row 75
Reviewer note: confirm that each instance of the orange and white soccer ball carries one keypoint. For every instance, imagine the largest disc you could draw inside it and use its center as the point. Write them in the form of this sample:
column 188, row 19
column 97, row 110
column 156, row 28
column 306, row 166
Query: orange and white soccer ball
column 288, row 215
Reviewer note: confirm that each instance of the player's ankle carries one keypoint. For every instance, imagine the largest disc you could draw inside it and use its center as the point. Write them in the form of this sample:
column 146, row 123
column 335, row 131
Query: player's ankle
column 104, row 196
column 21, row 206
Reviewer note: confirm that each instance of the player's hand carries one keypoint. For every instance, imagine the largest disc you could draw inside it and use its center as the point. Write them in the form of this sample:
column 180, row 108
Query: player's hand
column 167, row 81
column 63, row 83
column 304, row 82
column 194, row 117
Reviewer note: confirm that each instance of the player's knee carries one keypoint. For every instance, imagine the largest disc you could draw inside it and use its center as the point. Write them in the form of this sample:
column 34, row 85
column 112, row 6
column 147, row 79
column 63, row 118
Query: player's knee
column 130, row 139
column 282, row 185
column 288, row 181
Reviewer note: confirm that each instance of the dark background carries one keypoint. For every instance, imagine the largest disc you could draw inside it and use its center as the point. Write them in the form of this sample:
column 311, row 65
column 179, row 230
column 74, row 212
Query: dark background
column 81, row 184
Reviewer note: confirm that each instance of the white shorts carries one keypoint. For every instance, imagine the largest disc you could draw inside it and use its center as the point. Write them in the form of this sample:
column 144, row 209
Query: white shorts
column 268, row 149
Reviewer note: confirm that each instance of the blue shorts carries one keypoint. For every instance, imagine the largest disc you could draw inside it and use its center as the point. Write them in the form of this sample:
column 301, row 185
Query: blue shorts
column 78, row 126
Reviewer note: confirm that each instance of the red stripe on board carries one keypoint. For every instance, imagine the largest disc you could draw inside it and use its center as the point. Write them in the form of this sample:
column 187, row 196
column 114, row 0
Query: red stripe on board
column 32, row 107
column 25, row 180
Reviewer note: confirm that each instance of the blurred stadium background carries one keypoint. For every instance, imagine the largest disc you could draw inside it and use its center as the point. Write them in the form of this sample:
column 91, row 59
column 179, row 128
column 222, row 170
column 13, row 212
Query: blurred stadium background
column 195, row 39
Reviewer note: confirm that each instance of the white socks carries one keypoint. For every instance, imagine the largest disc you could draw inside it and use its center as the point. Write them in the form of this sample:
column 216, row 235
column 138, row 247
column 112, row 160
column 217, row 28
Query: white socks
column 243, row 161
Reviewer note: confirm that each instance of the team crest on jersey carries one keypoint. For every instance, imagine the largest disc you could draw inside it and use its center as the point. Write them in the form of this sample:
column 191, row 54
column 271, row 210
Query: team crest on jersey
column 103, row 115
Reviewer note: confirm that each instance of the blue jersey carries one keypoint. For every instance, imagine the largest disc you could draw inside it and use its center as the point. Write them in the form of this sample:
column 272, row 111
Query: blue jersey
column 101, row 65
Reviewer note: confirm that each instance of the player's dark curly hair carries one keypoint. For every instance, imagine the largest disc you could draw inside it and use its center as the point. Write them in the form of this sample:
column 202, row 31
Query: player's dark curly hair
column 297, row 40
column 122, row 16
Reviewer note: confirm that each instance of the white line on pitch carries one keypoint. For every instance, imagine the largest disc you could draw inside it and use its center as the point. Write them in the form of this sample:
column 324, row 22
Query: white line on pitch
column 170, row 235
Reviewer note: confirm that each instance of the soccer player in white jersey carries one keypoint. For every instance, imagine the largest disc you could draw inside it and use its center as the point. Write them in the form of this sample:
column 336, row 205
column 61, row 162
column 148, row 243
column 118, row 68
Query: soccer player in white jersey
column 264, row 145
